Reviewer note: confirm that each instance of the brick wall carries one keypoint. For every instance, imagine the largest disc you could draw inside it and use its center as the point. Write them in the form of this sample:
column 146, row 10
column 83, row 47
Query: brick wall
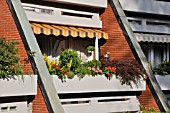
column 9, row 31
column 147, row 100
column 39, row 105
column 116, row 45
column 119, row 48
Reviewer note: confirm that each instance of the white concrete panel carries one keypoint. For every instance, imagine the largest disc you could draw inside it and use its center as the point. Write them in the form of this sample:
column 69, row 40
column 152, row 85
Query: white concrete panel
column 101, row 104
column 164, row 81
column 147, row 6
column 14, row 107
column 20, row 86
column 57, row 16
column 94, row 84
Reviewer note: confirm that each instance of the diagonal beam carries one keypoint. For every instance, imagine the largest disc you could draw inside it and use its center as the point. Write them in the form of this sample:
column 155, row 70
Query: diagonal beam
column 44, row 79
column 138, row 53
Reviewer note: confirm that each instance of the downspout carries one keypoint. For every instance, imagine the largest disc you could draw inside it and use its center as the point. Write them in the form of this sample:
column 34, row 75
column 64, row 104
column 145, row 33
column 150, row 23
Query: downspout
column 44, row 79
column 139, row 55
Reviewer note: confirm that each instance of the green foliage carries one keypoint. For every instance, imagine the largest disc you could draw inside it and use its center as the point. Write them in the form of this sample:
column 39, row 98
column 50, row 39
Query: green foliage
column 70, row 75
column 163, row 68
column 9, row 61
column 90, row 48
column 82, row 71
column 69, row 59
column 93, row 63
column 148, row 110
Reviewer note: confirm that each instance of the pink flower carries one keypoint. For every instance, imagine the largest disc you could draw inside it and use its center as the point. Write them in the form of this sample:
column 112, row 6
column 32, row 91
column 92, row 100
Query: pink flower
column 93, row 69
column 100, row 71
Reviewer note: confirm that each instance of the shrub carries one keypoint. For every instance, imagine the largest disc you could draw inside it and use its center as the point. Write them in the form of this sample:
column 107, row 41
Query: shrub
column 127, row 70
column 69, row 59
column 90, row 48
column 93, row 63
column 9, row 61
column 82, row 71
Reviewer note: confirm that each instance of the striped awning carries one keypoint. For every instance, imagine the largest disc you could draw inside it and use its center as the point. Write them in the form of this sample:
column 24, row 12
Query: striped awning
column 141, row 37
column 57, row 30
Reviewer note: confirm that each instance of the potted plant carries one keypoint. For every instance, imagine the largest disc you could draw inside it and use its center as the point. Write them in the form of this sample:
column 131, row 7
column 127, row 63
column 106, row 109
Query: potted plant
column 89, row 77
column 90, row 48
column 162, row 74
column 12, row 80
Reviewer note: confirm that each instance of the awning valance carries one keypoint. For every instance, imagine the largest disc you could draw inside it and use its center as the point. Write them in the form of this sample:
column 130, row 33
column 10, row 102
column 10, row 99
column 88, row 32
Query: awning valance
column 141, row 37
column 57, row 30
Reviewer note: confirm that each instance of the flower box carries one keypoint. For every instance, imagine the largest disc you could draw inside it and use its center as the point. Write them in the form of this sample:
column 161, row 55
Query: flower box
column 94, row 84
column 21, row 85
column 163, row 81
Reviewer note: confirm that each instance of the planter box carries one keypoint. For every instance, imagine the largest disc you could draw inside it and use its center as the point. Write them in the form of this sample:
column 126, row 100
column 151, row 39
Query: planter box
column 20, row 86
column 94, row 84
column 163, row 81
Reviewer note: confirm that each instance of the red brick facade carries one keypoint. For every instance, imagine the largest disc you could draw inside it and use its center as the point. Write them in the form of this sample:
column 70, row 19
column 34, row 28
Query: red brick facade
column 9, row 31
column 116, row 45
column 147, row 100
column 119, row 48
column 39, row 105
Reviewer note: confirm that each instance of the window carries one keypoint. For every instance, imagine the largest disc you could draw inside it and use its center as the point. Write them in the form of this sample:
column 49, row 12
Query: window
column 53, row 46
column 155, row 52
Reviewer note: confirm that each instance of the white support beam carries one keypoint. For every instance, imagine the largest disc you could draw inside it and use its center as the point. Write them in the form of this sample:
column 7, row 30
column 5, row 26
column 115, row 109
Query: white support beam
column 96, row 49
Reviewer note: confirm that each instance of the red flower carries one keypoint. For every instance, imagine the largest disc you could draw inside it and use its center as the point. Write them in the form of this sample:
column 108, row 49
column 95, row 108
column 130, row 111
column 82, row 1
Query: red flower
column 54, row 65
column 108, row 74
column 66, row 73
column 109, row 67
column 58, row 68
column 113, row 70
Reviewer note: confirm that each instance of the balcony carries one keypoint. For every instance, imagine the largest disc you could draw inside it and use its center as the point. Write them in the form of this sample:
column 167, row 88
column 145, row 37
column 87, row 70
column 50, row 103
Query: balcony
column 94, row 84
column 18, row 86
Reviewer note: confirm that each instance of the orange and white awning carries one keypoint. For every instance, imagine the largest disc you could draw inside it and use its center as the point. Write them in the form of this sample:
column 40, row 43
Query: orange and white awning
column 49, row 29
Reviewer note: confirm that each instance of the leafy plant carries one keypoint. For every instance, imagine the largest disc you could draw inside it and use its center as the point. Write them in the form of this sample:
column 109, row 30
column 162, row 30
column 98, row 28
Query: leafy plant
column 148, row 110
column 70, row 75
column 90, row 48
column 93, row 63
column 69, row 59
column 163, row 68
column 9, row 61
column 82, row 71
column 127, row 70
